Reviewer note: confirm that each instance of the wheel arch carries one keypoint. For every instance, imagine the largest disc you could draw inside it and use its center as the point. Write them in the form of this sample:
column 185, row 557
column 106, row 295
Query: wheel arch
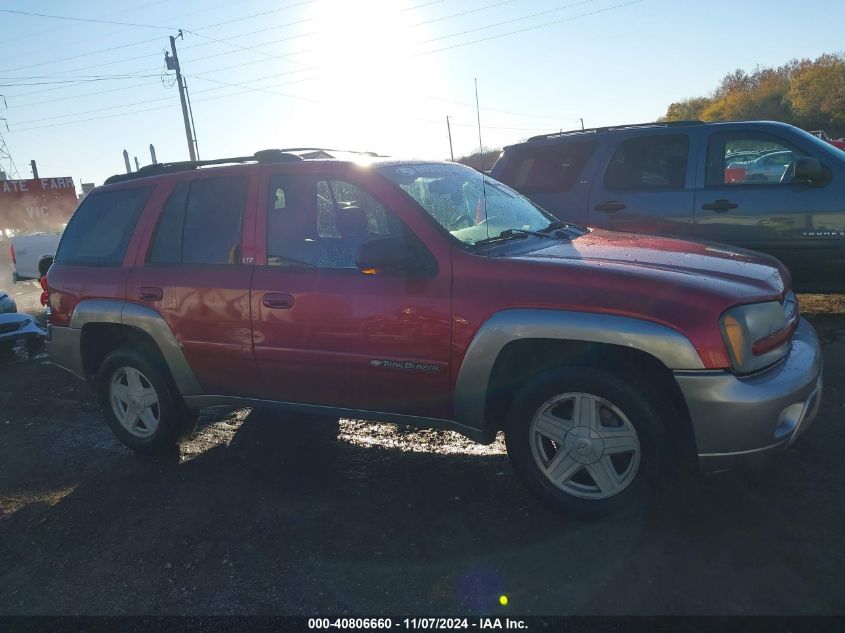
column 105, row 325
column 516, row 343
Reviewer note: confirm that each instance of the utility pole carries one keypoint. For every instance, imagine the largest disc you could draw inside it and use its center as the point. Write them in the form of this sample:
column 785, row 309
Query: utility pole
column 449, row 129
column 34, row 169
column 153, row 154
column 191, row 114
column 172, row 63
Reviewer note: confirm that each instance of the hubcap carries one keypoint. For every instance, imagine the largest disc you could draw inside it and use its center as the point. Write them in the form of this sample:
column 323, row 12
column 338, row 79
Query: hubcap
column 585, row 445
column 134, row 402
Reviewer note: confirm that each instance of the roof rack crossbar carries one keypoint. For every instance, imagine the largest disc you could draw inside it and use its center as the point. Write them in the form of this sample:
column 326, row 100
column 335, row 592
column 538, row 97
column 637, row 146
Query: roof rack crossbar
column 264, row 156
column 609, row 128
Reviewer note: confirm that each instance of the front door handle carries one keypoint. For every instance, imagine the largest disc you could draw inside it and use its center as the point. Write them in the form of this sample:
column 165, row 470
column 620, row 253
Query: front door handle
column 721, row 205
column 610, row 206
column 150, row 293
column 277, row 301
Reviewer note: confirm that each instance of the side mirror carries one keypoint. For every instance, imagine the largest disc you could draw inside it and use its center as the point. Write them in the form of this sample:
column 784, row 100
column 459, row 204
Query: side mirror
column 807, row 170
column 382, row 255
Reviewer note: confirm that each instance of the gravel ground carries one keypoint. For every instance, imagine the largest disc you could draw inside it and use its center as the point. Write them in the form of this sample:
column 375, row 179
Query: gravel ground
column 263, row 513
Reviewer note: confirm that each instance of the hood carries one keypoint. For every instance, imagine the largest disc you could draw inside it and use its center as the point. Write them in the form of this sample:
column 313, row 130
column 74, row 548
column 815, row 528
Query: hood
column 722, row 269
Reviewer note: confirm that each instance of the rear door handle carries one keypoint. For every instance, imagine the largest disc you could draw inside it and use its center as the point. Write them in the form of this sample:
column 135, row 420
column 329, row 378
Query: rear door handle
column 277, row 301
column 610, row 206
column 150, row 293
column 721, row 205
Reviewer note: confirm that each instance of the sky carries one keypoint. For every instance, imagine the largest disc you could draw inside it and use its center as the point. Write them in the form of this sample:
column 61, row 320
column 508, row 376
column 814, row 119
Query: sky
column 373, row 75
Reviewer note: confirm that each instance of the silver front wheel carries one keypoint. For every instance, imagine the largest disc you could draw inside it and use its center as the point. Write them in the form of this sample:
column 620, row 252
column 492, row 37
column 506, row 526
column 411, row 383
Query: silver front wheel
column 134, row 402
column 584, row 445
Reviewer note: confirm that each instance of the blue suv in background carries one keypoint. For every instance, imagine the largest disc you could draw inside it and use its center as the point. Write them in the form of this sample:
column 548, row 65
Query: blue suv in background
column 695, row 180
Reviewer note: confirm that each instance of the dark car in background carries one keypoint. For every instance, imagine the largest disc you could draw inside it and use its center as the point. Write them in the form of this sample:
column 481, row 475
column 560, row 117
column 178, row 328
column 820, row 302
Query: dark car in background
column 695, row 180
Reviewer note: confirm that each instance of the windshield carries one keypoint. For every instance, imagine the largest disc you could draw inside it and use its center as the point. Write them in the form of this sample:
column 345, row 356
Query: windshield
column 456, row 197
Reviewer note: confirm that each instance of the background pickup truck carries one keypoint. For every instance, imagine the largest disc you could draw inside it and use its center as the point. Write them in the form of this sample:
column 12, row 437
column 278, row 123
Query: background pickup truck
column 761, row 185
column 27, row 250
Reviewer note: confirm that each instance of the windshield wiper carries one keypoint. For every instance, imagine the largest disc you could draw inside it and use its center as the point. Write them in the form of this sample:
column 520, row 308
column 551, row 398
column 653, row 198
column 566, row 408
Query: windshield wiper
column 511, row 234
column 555, row 226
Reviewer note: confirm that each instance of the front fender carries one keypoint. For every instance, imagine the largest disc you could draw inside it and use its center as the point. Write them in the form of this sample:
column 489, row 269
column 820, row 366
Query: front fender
column 668, row 346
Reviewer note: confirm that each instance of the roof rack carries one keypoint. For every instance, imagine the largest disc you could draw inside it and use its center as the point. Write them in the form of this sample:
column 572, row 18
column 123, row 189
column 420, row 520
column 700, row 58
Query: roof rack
column 611, row 128
column 265, row 156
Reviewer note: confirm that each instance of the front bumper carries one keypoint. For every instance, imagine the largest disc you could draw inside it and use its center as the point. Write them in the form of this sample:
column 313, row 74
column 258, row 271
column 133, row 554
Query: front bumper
column 740, row 419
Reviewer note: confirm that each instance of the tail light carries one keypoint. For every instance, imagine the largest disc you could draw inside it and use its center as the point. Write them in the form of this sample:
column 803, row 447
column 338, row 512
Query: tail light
column 12, row 253
column 44, row 296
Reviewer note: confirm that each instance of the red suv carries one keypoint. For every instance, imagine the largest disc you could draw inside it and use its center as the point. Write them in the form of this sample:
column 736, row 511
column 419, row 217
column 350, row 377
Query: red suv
column 425, row 293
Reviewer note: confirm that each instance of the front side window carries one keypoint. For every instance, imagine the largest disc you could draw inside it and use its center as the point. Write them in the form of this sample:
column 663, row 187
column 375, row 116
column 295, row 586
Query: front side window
column 201, row 223
column 547, row 169
column 100, row 229
column 648, row 163
column 749, row 159
column 470, row 206
column 322, row 223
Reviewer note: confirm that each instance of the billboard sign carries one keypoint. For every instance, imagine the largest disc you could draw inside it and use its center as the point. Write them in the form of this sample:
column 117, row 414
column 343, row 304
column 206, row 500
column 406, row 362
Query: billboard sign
column 36, row 205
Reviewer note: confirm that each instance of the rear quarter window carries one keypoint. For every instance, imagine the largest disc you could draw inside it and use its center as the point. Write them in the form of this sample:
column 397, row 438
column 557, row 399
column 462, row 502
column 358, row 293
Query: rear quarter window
column 99, row 231
column 551, row 169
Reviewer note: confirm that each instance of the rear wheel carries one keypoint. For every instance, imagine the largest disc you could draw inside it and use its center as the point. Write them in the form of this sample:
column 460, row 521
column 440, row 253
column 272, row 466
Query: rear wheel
column 586, row 442
column 141, row 403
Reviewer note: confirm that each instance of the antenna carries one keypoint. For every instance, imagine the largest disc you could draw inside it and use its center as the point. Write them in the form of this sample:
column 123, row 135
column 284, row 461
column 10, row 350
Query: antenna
column 481, row 159
column 449, row 130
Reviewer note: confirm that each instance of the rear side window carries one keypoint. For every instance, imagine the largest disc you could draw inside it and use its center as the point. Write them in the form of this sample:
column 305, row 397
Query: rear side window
column 99, row 231
column 201, row 223
column 167, row 245
column 547, row 169
column 649, row 162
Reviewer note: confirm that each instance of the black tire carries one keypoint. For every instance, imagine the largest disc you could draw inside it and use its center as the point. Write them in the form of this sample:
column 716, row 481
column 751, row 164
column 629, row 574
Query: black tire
column 654, row 448
column 175, row 420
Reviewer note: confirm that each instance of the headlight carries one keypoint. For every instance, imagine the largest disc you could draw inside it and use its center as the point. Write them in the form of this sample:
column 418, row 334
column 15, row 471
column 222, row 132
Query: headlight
column 758, row 334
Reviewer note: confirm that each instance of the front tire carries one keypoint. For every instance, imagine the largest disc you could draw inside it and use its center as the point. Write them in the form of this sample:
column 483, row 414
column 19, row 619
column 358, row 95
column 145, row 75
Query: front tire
column 586, row 442
column 141, row 404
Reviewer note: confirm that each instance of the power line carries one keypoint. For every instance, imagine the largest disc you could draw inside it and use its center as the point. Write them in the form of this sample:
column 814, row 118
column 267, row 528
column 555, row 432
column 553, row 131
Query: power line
column 221, row 85
column 225, row 84
column 30, row 35
column 527, row 28
column 156, row 39
column 511, row 21
column 214, row 40
column 91, row 20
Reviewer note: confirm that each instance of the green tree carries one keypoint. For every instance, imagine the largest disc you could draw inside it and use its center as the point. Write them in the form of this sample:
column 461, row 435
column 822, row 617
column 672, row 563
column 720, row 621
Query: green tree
column 817, row 93
column 806, row 93
column 687, row 110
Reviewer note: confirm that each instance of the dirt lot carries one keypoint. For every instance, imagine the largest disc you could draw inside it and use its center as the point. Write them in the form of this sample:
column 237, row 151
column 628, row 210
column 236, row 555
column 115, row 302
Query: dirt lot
column 267, row 514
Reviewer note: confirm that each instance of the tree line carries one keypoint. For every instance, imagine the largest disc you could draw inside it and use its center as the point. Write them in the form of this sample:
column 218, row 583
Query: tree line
column 807, row 93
